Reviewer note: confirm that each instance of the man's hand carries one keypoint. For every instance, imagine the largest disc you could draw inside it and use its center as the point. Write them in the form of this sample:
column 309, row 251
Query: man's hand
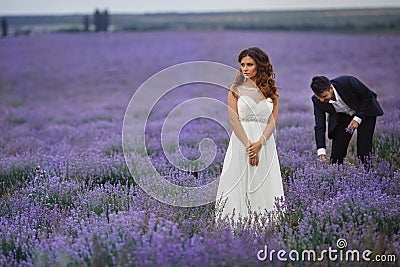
column 353, row 124
column 322, row 157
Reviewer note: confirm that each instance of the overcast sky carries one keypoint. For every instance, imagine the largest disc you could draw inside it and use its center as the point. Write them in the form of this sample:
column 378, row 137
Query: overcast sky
column 8, row 7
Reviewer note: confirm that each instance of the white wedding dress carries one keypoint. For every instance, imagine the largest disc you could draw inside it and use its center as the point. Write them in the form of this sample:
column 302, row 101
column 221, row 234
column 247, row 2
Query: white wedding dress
column 244, row 188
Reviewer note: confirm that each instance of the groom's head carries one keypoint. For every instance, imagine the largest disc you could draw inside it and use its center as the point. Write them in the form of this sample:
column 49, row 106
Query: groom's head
column 322, row 88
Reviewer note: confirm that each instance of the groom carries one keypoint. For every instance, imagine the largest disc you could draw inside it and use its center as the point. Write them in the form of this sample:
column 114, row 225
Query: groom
column 350, row 105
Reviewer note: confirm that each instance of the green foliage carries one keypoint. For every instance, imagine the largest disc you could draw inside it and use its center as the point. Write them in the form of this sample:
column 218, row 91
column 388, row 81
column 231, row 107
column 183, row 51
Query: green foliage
column 386, row 146
column 14, row 178
column 16, row 121
column 15, row 249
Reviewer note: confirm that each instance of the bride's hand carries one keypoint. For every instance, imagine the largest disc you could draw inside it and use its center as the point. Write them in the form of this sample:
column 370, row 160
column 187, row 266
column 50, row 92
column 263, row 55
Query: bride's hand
column 253, row 148
column 254, row 161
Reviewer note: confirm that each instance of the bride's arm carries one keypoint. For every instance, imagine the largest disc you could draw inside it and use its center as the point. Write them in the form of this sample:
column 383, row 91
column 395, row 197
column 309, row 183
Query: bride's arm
column 234, row 119
column 270, row 128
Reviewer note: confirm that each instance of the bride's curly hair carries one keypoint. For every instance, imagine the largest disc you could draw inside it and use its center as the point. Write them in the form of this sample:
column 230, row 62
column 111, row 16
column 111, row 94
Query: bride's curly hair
column 265, row 77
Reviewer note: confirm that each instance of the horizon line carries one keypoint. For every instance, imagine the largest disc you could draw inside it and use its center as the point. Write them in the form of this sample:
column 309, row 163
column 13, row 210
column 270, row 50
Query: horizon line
column 201, row 12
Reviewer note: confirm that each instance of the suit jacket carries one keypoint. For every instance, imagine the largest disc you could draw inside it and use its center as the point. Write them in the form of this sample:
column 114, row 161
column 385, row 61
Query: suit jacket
column 355, row 94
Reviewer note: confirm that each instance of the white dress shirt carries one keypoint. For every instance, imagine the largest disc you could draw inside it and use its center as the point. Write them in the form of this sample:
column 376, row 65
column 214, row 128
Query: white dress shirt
column 340, row 106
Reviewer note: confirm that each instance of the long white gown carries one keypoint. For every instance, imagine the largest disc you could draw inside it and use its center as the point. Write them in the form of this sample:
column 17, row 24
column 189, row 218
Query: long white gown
column 243, row 187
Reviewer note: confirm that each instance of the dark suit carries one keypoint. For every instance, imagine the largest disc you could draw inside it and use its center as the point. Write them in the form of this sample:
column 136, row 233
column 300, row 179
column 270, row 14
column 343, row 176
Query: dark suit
column 360, row 99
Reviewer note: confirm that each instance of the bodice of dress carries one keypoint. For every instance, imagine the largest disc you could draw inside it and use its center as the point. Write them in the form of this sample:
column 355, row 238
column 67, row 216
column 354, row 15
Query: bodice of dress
column 253, row 106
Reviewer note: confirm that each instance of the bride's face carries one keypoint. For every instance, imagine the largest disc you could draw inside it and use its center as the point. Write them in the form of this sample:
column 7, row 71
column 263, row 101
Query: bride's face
column 248, row 67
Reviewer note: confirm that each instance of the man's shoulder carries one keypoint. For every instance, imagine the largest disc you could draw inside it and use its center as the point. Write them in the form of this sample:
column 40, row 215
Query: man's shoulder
column 343, row 79
column 315, row 100
column 318, row 104
column 345, row 82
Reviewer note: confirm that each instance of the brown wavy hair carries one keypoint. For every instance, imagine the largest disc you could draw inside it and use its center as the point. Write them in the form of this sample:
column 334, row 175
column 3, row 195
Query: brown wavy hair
column 265, row 77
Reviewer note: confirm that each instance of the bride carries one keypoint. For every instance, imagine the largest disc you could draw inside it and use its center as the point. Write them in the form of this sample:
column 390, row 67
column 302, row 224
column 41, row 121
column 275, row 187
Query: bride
column 251, row 178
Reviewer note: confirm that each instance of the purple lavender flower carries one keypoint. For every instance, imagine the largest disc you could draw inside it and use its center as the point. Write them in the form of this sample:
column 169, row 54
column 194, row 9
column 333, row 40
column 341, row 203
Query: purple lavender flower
column 350, row 129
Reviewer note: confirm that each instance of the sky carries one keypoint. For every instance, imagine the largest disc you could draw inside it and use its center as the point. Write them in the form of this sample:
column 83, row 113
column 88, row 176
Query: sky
column 25, row 7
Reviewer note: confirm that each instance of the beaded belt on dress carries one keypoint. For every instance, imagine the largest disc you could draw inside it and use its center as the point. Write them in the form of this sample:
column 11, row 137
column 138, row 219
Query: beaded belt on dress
column 255, row 118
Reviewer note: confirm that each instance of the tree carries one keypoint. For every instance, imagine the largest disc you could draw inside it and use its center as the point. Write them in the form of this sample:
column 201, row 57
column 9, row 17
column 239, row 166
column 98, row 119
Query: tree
column 4, row 27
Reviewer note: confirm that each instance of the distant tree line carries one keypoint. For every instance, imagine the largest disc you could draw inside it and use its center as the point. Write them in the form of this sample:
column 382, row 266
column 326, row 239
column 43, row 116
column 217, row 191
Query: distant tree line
column 101, row 21
column 349, row 21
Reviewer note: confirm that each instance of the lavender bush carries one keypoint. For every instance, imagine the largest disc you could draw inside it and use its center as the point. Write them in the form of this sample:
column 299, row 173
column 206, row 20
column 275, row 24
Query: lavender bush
column 62, row 103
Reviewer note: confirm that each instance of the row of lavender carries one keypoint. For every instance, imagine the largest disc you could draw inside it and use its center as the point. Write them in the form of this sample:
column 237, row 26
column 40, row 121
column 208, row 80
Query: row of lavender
column 63, row 99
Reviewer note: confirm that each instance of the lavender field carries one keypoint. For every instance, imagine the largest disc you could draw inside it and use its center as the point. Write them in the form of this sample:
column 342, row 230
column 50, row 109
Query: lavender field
column 67, row 197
